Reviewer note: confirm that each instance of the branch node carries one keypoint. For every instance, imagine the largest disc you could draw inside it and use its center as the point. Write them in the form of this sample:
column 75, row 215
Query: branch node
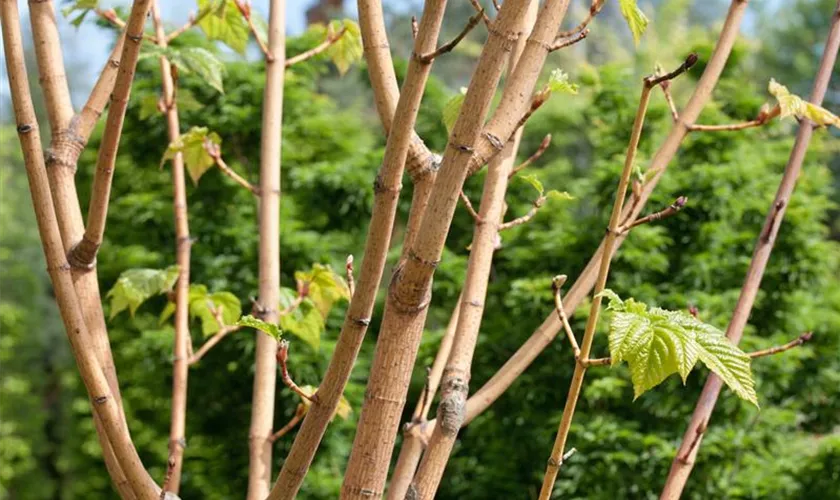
column 691, row 60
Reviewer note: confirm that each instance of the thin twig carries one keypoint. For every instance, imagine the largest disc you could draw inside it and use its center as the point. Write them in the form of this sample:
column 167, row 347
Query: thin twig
column 224, row 330
column 296, row 418
column 170, row 466
column 534, row 157
column 415, row 28
column 595, row 362
column 763, row 117
column 282, row 358
column 447, row 47
column 111, row 16
column 348, row 270
column 593, row 11
column 425, row 397
column 672, row 209
column 561, row 43
column 469, row 205
column 215, row 152
column 654, row 80
column 538, row 100
column 525, row 218
column 192, row 21
column 245, row 9
column 479, row 9
column 798, row 341
column 556, row 285
column 666, row 91
column 314, row 51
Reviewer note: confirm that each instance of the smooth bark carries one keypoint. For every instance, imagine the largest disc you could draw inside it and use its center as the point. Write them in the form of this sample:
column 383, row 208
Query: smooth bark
column 456, row 376
column 386, row 189
column 409, row 292
column 180, row 364
column 551, row 326
column 687, row 453
column 265, row 371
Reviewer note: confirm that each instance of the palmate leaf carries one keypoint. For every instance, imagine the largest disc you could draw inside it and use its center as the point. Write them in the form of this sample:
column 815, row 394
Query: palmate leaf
column 135, row 286
column 325, row 287
column 201, row 306
column 200, row 61
column 304, row 321
column 224, row 23
column 191, row 146
column 793, row 105
column 657, row 343
column 263, row 326
column 636, row 19
column 348, row 49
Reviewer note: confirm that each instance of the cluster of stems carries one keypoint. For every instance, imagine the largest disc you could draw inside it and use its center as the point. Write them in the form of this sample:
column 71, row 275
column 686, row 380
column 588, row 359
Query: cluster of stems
column 519, row 38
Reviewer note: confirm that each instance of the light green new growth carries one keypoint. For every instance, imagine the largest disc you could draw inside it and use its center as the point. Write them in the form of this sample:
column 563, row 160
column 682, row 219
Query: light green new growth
column 657, row 343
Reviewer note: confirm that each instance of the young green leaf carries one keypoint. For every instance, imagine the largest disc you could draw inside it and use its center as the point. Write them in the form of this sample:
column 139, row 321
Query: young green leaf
column 558, row 81
column 304, row 321
column 258, row 324
column 325, row 287
column 533, row 181
column 135, row 286
column 556, row 195
column 200, row 61
column 83, row 7
column 202, row 306
column 343, row 409
column 793, row 105
column 452, row 108
column 636, row 19
column 224, row 23
column 348, row 49
column 657, row 343
column 191, row 146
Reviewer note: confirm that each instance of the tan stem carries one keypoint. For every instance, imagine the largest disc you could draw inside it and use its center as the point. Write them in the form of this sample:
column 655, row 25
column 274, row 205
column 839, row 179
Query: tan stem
column 83, row 254
column 409, row 292
column 61, row 162
column 265, row 370
column 681, row 467
column 182, row 342
column 413, row 444
column 103, row 401
column 455, row 384
column 545, row 334
column 594, row 9
column 383, row 80
column 50, row 64
column 386, row 191
column 555, row 459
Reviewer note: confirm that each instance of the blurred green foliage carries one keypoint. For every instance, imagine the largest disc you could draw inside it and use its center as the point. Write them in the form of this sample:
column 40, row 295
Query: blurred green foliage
column 332, row 147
